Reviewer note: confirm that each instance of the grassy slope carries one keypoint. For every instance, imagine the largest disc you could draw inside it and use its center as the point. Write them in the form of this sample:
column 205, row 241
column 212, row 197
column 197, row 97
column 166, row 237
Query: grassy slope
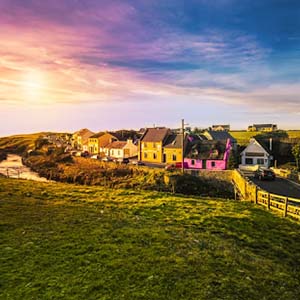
column 74, row 242
column 243, row 137
column 17, row 141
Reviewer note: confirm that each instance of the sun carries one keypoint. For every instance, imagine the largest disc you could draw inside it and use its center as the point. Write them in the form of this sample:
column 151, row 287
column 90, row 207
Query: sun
column 34, row 86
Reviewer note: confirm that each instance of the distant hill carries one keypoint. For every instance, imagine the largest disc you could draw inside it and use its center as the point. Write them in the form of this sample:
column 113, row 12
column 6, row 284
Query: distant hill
column 23, row 142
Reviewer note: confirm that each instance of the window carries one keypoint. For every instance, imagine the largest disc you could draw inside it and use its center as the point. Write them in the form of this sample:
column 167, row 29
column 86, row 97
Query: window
column 145, row 155
column 174, row 158
column 213, row 163
column 260, row 161
column 154, row 145
column 112, row 152
column 249, row 161
column 119, row 152
column 154, row 156
column 145, row 144
column 193, row 162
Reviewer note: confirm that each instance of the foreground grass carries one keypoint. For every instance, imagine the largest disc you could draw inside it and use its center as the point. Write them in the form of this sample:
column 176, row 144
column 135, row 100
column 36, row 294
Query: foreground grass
column 73, row 242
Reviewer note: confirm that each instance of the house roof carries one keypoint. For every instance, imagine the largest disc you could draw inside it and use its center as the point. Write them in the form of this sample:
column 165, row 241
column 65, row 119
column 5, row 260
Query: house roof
column 207, row 150
column 265, row 144
column 85, row 134
column 155, row 134
column 116, row 145
column 262, row 144
column 83, row 131
column 221, row 125
column 220, row 135
column 96, row 135
column 263, row 125
column 174, row 141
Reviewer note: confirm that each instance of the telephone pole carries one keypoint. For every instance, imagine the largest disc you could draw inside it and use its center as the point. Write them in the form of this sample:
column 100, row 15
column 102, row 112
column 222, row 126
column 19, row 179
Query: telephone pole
column 182, row 144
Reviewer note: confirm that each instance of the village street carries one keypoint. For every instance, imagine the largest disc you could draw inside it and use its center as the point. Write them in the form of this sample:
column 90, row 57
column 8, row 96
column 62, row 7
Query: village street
column 279, row 186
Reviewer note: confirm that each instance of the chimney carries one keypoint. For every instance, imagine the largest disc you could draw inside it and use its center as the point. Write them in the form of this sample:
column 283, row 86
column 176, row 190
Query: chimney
column 270, row 144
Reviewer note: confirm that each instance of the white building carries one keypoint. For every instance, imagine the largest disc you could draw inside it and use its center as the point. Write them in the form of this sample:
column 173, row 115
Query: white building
column 121, row 149
column 256, row 154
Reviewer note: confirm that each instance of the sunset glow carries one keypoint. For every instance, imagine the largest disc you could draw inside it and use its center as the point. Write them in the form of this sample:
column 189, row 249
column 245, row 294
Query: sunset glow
column 114, row 64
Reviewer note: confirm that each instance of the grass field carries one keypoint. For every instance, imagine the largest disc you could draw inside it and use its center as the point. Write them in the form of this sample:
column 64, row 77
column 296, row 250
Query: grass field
column 243, row 137
column 62, row 241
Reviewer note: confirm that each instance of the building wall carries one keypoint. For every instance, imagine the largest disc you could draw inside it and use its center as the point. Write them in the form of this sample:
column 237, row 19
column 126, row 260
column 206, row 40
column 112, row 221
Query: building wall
column 131, row 148
column 216, row 164
column 254, row 154
column 191, row 163
column 151, row 152
column 116, row 153
column 171, row 153
column 93, row 146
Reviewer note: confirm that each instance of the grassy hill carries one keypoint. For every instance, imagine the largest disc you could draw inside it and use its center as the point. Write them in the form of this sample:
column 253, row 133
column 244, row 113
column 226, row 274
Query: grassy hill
column 243, row 137
column 63, row 241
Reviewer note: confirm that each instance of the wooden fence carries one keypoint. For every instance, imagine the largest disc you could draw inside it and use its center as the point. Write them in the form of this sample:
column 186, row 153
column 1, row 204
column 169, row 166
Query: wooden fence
column 249, row 191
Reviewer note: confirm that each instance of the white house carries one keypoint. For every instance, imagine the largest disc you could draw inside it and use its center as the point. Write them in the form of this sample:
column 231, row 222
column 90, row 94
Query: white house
column 256, row 154
column 121, row 149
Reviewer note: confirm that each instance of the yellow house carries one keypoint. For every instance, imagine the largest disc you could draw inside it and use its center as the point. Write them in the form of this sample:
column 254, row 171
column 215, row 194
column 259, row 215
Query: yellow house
column 99, row 141
column 151, row 144
column 80, row 138
column 173, row 149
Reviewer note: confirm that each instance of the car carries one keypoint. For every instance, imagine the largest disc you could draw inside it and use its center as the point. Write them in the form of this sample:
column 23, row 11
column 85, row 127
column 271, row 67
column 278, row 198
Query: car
column 174, row 166
column 137, row 163
column 85, row 154
column 107, row 159
column 122, row 161
column 95, row 156
column 264, row 174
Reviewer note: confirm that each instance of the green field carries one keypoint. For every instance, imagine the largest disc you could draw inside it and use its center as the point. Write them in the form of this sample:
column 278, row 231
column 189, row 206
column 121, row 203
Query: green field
column 62, row 241
column 243, row 137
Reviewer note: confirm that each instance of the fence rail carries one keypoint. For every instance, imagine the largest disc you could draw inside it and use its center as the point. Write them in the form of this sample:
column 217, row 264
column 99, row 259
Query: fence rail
column 251, row 192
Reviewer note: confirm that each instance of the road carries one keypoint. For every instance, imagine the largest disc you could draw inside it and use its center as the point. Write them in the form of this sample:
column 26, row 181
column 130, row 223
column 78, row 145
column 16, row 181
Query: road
column 279, row 186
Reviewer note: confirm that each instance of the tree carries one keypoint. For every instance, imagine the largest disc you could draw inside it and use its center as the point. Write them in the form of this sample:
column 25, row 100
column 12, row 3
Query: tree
column 296, row 153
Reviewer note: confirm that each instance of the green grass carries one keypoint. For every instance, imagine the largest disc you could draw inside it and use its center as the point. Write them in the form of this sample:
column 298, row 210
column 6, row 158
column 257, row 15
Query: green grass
column 62, row 241
column 294, row 134
column 243, row 137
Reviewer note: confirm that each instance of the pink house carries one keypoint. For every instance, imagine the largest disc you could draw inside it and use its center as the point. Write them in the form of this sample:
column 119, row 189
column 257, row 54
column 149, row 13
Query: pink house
column 210, row 155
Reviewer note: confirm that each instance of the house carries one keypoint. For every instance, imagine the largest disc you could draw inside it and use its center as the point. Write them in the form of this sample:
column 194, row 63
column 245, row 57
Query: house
column 121, row 149
column 256, row 154
column 172, row 149
column 220, row 127
column 79, row 140
column 213, row 135
column 98, row 142
column 208, row 154
column 150, row 148
column 263, row 127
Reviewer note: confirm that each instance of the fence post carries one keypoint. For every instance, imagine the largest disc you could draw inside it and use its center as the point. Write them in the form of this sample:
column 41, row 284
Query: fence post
column 7, row 173
column 285, row 206
column 269, row 200
column 256, row 191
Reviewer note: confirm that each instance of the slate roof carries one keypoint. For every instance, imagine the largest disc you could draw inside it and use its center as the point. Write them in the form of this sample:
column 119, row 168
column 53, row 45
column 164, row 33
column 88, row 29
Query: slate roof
column 154, row 135
column 263, row 125
column 85, row 134
column 221, row 135
column 96, row 135
column 207, row 150
column 116, row 145
column 174, row 141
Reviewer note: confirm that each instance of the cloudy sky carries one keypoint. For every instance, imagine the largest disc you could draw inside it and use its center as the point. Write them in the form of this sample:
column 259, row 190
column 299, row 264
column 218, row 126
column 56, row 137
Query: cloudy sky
column 106, row 64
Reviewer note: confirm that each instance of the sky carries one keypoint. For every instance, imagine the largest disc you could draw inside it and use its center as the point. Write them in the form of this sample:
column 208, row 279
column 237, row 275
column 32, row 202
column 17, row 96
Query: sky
column 106, row 64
